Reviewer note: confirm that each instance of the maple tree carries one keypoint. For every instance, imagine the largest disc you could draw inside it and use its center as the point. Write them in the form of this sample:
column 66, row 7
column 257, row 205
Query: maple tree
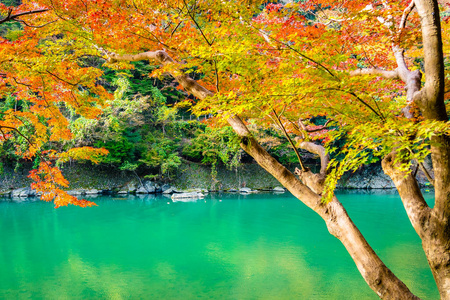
column 375, row 69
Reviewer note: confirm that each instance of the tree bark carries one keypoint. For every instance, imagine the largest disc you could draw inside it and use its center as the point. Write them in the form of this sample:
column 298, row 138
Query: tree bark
column 432, row 225
column 431, row 103
column 379, row 278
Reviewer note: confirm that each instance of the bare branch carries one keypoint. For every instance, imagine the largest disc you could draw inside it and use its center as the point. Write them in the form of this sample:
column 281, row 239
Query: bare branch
column 11, row 17
column 405, row 15
column 316, row 149
column 378, row 72
column 280, row 124
column 217, row 76
column 33, row 26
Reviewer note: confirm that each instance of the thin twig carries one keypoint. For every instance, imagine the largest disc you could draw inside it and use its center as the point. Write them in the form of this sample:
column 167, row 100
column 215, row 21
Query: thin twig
column 198, row 26
column 217, row 76
column 33, row 26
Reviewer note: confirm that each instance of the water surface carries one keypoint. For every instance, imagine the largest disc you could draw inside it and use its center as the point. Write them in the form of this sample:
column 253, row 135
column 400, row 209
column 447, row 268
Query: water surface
column 259, row 246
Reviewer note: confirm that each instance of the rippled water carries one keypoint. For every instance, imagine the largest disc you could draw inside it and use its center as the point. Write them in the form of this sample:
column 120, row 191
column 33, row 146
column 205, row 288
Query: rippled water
column 259, row 246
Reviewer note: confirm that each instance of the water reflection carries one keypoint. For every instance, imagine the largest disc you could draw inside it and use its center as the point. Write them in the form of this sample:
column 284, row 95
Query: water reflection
column 257, row 246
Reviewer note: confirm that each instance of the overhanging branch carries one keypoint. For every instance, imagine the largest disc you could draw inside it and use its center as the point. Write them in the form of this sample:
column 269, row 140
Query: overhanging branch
column 11, row 17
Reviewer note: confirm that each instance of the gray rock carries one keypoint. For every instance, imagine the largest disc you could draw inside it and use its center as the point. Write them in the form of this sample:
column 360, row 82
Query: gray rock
column 187, row 196
column 92, row 192
column 27, row 192
column 141, row 190
column 5, row 193
column 122, row 192
column 151, row 187
column 17, row 192
column 76, row 192
column 278, row 189
column 170, row 190
column 245, row 190
column 165, row 187
column 130, row 188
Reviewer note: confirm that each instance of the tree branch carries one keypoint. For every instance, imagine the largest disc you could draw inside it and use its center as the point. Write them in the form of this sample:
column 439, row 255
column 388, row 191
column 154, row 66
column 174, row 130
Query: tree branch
column 316, row 149
column 377, row 72
column 280, row 124
column 416, row 208
column 11, row 17
column 405, row 15
column 33, row 26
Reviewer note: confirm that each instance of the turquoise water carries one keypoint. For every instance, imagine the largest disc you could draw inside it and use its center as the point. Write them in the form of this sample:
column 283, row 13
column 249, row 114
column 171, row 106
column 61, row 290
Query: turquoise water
column 259, row 246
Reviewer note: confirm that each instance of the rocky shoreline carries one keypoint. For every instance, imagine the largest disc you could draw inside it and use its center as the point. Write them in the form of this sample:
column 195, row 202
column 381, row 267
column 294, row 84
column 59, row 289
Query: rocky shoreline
column 191, row 181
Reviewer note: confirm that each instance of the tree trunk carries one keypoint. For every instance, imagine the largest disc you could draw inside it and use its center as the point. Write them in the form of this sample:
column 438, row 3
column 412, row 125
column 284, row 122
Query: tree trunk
column 379, row 278
column 432, row 225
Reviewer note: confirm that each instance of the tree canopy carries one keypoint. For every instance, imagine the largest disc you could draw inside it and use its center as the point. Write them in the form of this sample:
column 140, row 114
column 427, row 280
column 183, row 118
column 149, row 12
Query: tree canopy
column 376, row 70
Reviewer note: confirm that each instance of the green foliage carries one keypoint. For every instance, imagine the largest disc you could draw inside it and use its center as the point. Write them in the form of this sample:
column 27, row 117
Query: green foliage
column 367, row 143
column 9, row 102
column 214, row 145
column 11, row 2
column 161, row 153
column 13, row 34
column 127, row 166
column 119, row 151
column 13, row 29
column 139, row 83
column 143, row 133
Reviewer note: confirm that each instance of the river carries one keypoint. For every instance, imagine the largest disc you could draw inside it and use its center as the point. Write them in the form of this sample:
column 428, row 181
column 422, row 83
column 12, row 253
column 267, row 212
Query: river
column 258, row 246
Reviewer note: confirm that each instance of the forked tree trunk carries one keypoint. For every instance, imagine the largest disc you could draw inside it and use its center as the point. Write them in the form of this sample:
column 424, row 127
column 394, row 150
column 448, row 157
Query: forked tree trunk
column 379, row 277
column 432, row 225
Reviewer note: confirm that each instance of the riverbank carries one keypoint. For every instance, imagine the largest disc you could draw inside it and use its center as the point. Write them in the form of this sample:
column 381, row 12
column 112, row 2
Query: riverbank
column 97, row 179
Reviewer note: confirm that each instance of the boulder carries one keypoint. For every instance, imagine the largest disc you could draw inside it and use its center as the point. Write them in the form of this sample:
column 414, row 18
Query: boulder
column 5, row 193
column 245, row 190
column 129, row 188
column 165, row 187
column 16, row 193
column 170, row 190
column 27, row 192
column 92, row 192
column 141, row 190
column 278, row 189
column 150, row 186
column 187, row 196
column 76, row 192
